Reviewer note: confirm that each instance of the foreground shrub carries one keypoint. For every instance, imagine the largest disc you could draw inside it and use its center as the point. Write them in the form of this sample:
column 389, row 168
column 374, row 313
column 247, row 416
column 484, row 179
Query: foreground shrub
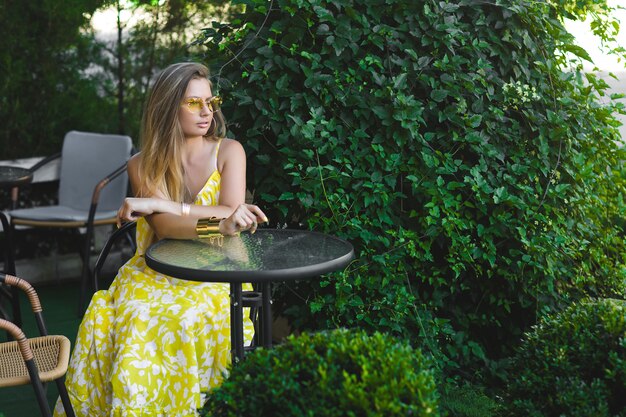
column 573, row 364
column 334, row 373
column 466, row 400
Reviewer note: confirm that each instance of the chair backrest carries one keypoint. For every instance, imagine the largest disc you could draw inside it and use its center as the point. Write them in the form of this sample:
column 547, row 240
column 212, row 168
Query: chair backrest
column 86, row 159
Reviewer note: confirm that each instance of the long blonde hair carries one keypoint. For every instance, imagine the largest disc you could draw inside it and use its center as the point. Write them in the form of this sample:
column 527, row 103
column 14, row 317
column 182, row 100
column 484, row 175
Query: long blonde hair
column 162, row 136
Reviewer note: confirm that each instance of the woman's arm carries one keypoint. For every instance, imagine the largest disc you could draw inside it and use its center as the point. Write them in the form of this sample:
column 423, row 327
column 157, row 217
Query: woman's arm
column 166, row 217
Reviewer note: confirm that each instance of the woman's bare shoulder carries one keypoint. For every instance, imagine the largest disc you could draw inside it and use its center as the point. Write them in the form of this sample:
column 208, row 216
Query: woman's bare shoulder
column 134, row 160
column 133, row 163
column 230, row 150
column 230, row 145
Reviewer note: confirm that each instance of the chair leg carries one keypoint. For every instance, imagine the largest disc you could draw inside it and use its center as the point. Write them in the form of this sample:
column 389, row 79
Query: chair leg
column 266, row 330
column 38, row 387
column 10, row 253
column 84, row 278
column 253, row 300
column 85, row 286
column 65, row 398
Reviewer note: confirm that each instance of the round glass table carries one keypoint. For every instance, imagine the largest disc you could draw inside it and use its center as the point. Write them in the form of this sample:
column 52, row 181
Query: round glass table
column 263, row 257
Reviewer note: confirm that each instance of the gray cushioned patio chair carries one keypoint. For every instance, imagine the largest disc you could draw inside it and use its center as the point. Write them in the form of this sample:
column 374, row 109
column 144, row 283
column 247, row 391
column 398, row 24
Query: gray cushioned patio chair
column 92, row 185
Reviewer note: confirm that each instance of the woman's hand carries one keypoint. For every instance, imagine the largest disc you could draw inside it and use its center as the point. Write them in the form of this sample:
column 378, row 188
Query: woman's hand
column 133, row 208
column 245, row 217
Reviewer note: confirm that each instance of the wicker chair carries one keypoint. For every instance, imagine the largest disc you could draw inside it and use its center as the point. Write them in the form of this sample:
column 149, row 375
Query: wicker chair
column 36, row 360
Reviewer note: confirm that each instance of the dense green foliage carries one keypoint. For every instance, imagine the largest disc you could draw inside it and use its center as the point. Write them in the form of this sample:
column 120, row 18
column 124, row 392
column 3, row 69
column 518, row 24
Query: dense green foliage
column 478, row 180
column 150, row 35
column 467, row 400
column 57, row 76
column 44, row 90
column 334, row 373
column 573, row 364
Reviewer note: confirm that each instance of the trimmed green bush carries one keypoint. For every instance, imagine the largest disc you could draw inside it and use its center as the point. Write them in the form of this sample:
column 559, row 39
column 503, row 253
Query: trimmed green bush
column 454, row 143
column 332, row 373
column 466, row 401
column 573, row 364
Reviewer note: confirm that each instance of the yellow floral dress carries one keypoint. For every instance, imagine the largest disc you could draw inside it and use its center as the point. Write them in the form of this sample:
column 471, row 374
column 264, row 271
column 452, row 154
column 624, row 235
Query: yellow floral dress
column 152, row 345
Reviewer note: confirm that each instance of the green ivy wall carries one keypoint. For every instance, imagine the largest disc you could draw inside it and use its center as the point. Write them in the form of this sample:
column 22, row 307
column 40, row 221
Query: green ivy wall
column 479, row 181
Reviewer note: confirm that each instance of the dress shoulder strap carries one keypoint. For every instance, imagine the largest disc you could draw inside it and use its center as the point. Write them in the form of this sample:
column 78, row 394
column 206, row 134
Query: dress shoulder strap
column 217, row 149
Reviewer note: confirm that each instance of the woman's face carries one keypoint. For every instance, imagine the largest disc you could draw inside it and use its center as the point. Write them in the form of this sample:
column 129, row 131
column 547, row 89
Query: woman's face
column 195, row 114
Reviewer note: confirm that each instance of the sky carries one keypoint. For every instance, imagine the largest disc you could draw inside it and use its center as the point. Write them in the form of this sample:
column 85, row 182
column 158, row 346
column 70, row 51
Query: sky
column 104, row 21
column 605, row 63
column 591, row 44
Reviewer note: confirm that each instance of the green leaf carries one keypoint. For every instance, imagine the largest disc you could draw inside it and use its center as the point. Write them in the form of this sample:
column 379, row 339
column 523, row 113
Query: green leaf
column 439, row 95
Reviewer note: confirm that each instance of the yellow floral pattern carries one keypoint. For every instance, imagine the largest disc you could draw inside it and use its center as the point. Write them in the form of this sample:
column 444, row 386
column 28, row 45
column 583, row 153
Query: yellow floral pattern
column 152, row 345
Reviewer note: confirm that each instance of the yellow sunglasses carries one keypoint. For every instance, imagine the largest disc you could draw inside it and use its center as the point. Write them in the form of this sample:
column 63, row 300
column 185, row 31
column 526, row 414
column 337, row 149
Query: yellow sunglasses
column 195, row 104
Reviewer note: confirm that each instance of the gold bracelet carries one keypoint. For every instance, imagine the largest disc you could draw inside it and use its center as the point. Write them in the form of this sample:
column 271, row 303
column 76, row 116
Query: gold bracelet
column 208, row 227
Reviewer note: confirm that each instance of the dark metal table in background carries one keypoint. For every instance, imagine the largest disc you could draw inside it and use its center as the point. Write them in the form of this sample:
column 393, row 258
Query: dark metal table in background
column 262, row 258
column 13, row 177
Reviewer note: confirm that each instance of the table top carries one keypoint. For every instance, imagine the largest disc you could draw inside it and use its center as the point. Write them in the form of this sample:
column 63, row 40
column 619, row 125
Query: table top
column 267, row 255
column 11, row 176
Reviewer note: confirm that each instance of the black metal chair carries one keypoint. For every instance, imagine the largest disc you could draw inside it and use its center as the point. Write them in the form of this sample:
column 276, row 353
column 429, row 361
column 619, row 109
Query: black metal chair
column 126, row 232
column 34, row 360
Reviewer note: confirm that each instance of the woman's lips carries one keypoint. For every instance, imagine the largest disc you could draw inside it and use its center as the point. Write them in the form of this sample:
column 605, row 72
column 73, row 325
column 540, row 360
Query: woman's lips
column 203, row 125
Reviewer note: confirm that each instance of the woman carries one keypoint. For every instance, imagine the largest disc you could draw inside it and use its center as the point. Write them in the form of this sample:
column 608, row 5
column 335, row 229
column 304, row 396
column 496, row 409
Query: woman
column 153, row 345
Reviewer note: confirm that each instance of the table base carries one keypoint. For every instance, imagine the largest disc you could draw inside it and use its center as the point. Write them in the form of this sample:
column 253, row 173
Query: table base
column 236, row 319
